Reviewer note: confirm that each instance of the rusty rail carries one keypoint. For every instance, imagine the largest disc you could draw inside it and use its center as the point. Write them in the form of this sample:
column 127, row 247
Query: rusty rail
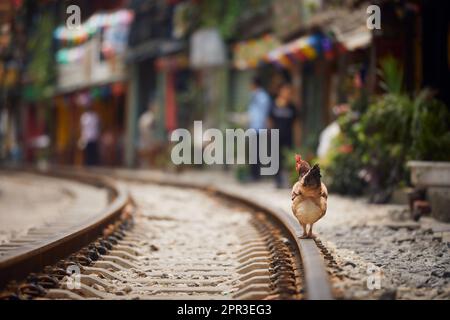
column 17, row 264
column 34, row 258
column 315, row 275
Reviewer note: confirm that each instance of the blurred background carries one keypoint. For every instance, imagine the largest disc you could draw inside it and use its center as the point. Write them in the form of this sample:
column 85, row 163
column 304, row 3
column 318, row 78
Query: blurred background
column 366, row 101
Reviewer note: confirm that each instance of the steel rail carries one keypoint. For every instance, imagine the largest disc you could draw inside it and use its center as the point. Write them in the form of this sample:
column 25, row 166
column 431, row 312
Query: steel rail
column 34, row 258
column 315, row 275
column 18, row 263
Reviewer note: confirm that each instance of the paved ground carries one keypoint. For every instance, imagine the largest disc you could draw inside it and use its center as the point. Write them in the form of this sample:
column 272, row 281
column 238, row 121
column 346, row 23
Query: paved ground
column 379, row 243
column 28, row 200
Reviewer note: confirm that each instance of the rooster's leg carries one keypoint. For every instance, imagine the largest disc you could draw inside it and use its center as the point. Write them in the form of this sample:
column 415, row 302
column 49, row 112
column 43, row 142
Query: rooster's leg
column 310, row 234
column 305, row 234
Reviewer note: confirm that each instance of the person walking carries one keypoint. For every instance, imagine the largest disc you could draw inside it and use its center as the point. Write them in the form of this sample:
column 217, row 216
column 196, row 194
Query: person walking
column 258, row 111
column 282, row 116
column 148, row 146
column 90, row 133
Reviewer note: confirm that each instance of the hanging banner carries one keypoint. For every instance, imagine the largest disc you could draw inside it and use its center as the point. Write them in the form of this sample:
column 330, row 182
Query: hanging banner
column 99, row 59
column 302, row 49
column 76, row 36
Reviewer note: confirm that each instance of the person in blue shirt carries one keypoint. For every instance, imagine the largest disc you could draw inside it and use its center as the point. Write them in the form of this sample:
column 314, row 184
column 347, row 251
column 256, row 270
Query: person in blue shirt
column 258, row 112
column 282, row 116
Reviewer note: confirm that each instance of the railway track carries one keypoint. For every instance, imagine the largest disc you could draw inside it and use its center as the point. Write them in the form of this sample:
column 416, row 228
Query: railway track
column 159, row 243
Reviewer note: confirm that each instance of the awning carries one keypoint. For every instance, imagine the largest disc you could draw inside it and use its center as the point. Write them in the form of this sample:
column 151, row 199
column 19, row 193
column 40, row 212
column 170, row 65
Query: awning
column 302, row 49
column 356, row 39
column 82, row 33
column 349, row 27
column 304, row 46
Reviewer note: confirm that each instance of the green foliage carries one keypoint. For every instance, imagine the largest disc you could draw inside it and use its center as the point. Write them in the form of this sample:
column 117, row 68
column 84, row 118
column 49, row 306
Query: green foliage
column 430, row 129
column 220, row 14
column 385, row 128
column 225, row 15
column 374, row 146
column 384, row 139
column 341, row 169
column 41, row 68
column 398, row 128
column 392, row 74
column 343, row 163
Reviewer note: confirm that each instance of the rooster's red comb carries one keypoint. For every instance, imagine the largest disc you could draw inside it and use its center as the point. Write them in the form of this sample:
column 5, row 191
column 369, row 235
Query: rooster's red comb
column 298, row 158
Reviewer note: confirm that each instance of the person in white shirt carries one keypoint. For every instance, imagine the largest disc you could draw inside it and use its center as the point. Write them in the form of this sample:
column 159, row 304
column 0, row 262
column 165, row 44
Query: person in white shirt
column 90, row 134
column 149, row 147
column 146, row 136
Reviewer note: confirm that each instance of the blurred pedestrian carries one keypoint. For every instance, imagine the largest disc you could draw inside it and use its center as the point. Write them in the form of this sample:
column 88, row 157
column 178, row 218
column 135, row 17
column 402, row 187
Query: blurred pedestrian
column 146, row 127
column 282, row 116
column 258, row 112
column 90, row 133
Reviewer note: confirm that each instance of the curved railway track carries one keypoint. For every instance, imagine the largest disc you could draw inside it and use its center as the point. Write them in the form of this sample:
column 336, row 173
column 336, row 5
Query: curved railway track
column 159, row 243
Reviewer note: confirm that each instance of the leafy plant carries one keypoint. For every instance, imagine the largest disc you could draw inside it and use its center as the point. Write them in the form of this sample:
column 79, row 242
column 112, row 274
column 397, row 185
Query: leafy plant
column 342, row 172
column 392, row 75
column 384, row 138
column 342, row 165
column 221, row 14
column 394, row 129
column 430, row 129
column 41, row 69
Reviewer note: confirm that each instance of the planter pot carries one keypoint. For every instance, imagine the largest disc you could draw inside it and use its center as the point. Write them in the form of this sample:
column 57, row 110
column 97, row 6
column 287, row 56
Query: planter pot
column 439, row 198
column 430, row 173
column 435, row 178
column 400, row 196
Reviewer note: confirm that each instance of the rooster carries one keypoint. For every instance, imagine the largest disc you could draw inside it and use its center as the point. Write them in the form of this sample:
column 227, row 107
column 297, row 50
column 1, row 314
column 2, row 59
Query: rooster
column 309, row 196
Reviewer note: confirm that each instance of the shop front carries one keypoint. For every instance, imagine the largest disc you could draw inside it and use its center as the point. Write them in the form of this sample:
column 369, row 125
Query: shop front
column 92, row 77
